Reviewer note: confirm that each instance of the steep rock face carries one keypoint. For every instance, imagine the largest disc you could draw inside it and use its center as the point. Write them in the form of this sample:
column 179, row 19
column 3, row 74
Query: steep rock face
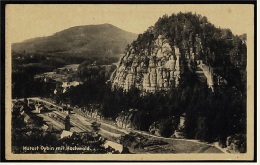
column 155, row 60
column 158, row 70
column 208, row 72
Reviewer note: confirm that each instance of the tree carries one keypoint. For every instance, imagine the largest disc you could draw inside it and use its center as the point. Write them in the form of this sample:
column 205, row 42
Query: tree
column 202, row 129
column 96, row 127
column 168, row 126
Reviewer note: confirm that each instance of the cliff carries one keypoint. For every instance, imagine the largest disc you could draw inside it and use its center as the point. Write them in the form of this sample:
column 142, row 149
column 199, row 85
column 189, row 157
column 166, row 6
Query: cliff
column 149, row 72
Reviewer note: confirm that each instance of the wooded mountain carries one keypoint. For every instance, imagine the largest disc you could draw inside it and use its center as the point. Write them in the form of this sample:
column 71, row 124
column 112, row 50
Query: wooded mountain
column 91, row 40
column 158, row 58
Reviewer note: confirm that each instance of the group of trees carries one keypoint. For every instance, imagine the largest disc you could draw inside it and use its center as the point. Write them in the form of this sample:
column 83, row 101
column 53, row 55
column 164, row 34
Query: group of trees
column 24, row 85
column 26, row 65
column 182, row 29
column 209, row 116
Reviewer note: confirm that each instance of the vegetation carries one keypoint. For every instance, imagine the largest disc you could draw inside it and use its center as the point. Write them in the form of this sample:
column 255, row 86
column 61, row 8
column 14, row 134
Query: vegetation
column 95, row 126
column 216, row 47
column 86, row 41
column 236, row 143
column 133, row 140
column 26, row 65
column 49, row 142
column 210, row 116
column 31, row 138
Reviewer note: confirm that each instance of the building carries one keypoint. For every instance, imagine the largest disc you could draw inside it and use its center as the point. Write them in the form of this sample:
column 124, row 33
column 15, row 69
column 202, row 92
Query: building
column 65, row 133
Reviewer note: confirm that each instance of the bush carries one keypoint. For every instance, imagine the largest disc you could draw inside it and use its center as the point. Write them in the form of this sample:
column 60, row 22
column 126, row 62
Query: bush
column 166, row 127
column 236, row 143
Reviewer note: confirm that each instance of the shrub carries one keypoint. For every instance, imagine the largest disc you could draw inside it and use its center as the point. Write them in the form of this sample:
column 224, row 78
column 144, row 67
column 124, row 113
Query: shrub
column 236, row 143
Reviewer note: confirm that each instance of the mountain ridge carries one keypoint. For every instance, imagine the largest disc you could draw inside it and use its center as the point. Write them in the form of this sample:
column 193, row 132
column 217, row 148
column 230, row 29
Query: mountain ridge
column 86, row 39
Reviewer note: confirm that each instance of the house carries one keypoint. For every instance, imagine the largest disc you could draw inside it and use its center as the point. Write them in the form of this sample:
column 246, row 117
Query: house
column 65, row 84
column 39, row 108
column 45, row 127
column 26, row 118
column 22, row 109
column 65, row 133
column 74, row 83
column 114, row 145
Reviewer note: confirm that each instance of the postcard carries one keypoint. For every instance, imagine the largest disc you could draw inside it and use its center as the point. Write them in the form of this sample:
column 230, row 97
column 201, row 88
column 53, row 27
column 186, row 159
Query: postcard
column 129, row 82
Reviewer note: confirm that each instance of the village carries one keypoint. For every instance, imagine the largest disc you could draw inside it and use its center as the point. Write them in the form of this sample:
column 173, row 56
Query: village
column 62, row 121
column 64, row 78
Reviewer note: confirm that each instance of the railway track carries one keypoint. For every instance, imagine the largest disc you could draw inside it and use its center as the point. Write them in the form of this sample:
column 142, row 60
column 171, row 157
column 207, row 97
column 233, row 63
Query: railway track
column 73, row 121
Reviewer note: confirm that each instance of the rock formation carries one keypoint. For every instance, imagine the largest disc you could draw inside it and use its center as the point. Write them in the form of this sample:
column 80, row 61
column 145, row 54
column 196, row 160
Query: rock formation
column 155, row 61
column 152, row 72
column 124, row 119
column 208, row 72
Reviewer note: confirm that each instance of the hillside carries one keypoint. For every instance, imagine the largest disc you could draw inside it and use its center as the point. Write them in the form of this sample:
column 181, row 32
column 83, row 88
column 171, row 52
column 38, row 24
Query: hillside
column 91, row 40
column 161, row 57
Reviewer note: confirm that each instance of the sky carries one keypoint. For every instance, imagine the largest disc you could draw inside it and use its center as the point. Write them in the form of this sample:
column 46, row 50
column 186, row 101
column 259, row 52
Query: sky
column 27, row 21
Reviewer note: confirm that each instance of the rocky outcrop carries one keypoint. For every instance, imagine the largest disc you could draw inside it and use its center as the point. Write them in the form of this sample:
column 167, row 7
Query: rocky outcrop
column 158, row 70
column 124, row 119
column 208, row 72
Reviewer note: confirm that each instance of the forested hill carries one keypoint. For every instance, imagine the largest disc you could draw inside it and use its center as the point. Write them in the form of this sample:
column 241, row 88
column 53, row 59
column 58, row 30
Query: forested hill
column 194, row 32
column 90, row 40
column 183, row 65
column 163, row 51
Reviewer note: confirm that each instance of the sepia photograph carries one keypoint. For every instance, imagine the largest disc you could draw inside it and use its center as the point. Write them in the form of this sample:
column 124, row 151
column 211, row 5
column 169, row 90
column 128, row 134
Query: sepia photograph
column 129, row 82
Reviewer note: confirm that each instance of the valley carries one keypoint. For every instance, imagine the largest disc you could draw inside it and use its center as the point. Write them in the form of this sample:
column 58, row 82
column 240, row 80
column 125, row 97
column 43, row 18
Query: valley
column 80, row 122
column 179, row 87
